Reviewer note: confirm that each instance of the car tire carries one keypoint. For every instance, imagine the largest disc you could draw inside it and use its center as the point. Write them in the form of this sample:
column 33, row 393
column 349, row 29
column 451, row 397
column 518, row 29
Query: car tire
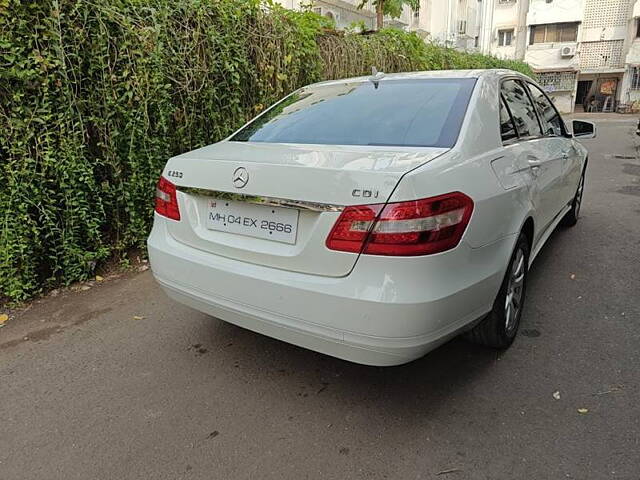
column 499, row 328
column 571, row 217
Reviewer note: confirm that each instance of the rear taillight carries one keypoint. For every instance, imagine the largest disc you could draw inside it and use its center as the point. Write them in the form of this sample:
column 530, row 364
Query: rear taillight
column 167, row 200
column 417, row 227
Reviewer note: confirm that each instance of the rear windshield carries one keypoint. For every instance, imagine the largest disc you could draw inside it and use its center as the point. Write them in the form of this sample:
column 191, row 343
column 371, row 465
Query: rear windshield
column 409, row 113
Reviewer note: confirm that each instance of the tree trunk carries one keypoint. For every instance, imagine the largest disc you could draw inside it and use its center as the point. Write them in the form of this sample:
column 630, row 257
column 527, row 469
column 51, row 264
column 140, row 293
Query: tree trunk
column 379, row 14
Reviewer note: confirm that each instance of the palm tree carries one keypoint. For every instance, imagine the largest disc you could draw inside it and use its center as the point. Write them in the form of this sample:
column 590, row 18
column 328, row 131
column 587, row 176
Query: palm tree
column 393, row 8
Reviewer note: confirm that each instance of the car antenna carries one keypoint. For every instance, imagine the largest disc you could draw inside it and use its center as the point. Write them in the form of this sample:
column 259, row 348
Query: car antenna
column 376, row 76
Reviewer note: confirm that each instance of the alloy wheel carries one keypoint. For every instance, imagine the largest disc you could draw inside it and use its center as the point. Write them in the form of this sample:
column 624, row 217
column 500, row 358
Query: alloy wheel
column 515, row 288
column 578, row 199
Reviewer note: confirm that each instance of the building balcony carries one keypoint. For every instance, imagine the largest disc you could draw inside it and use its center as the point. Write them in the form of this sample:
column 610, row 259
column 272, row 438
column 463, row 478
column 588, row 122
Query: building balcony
column 605, row 56
column 562, row 56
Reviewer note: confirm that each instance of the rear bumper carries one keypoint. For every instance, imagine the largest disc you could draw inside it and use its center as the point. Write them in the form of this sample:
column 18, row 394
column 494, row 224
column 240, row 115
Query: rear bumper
column 385, row 312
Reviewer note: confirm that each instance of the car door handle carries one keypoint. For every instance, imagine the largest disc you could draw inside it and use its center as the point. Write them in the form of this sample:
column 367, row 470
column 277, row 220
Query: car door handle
column 534, row 164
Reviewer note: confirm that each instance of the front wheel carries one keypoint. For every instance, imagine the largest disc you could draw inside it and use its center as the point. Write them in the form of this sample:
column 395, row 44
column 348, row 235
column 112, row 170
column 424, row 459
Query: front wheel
column 571, row 217
column 499, row 328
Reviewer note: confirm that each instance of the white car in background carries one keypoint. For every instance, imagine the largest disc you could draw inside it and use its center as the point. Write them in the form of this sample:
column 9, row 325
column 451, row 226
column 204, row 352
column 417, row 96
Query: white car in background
column 373, row 218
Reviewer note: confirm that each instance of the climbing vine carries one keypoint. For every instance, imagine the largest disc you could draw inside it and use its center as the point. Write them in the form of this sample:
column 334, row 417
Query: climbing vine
column 95, row 95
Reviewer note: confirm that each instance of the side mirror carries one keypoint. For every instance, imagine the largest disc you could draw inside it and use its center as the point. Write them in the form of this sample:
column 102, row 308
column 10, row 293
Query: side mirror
column 582, row 129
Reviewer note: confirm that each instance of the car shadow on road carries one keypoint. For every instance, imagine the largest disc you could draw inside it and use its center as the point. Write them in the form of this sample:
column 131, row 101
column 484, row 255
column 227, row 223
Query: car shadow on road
column 432, row 381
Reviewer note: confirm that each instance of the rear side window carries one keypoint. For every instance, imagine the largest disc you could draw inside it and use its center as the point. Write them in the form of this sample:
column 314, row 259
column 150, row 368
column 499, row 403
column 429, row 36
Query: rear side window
column 549, row 116
column 411, row 113
column 521, row 108
column 507, row 128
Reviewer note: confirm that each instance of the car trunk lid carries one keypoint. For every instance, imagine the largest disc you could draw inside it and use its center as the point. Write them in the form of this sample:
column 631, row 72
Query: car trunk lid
column 303, row 186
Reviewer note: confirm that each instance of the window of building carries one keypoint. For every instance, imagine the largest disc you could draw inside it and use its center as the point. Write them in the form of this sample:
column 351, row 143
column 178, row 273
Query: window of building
column 635, row 78
column 554, row 33
column 476, row 41
column 505, row 37
column 638, row 28
column 521, row 108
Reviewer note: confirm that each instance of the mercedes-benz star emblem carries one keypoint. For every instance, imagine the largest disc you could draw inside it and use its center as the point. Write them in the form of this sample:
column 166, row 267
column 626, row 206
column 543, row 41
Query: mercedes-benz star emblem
column 240, row 177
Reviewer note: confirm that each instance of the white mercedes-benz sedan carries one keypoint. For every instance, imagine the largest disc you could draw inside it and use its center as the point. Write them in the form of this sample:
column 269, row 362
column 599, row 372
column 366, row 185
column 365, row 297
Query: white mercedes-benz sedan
column 373, row 218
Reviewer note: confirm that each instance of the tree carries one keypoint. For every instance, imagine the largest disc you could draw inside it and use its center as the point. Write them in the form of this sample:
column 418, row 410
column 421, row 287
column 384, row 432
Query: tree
column 393, row 8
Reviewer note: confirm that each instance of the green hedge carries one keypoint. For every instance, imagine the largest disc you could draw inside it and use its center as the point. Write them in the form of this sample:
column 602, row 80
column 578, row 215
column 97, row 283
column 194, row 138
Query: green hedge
column 96, row 95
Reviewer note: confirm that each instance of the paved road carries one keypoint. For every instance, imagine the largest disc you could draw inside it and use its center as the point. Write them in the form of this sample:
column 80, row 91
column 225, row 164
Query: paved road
column 94, row 393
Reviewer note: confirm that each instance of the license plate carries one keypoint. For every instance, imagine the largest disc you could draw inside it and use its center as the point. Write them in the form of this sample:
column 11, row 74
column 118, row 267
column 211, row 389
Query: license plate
column 261, row 221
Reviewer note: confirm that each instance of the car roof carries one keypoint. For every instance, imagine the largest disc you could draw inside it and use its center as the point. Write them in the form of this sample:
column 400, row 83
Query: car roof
column 491, row 73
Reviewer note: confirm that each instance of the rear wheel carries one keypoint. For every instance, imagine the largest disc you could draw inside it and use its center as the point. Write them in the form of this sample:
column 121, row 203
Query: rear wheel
column 499, row 328
column 571, row 217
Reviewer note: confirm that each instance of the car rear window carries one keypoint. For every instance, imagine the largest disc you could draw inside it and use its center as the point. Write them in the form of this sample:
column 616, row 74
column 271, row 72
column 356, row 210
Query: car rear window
column 411, row 113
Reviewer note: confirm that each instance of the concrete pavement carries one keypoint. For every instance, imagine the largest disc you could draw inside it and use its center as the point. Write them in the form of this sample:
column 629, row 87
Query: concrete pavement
column 87, row 391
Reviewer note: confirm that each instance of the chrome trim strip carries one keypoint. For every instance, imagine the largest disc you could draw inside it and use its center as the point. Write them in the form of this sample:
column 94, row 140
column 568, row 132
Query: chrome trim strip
column 269, row 201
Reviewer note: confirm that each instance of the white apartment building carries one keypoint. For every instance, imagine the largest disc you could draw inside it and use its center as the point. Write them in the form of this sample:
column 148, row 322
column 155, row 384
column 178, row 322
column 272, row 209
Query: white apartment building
column 630, row 87
column 586, row 53
column 502, row 28
column 346, row 13
column 552, row 34
column 578, row 48
column 451, row 22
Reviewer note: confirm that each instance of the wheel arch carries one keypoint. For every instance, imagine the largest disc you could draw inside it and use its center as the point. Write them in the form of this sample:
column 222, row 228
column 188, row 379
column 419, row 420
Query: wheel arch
column 528, row 229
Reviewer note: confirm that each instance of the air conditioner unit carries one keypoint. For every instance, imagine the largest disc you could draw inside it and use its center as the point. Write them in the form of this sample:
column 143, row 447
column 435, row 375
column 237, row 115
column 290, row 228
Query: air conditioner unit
column 568, row 51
